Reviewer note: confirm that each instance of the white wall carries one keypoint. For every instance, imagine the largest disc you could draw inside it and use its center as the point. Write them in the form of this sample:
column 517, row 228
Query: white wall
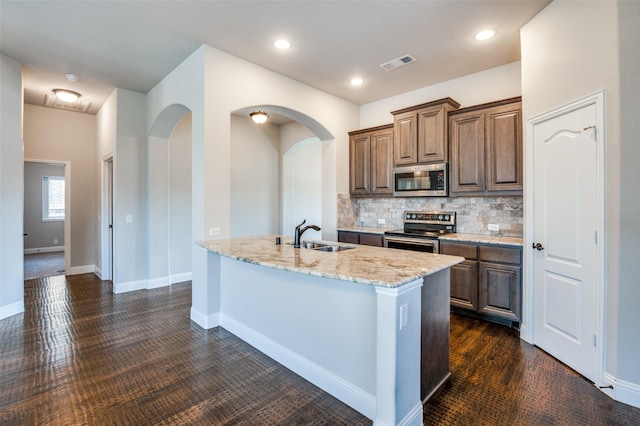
column 11, row 188
column 68, row 136
column 302, row 187
column 473, row 89
column 570, row 50
column 106, row 119
column 121, row 133
column 129, row 189
column 213, row 84
column 628, row 173
column 180, row 240
column 40, row 234
column 255, row 177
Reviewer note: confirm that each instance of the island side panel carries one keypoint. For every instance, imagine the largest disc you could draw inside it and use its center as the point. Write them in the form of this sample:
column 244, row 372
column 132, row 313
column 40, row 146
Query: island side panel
column 322, row 329
column 435, row 333
column 398, row 347
column 205, row 288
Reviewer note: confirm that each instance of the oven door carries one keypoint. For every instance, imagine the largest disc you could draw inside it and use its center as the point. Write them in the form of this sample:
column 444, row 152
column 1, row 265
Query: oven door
column 426, row 245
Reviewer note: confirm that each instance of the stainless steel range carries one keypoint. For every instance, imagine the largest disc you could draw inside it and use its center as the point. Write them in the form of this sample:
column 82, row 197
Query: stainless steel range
column 421, row 231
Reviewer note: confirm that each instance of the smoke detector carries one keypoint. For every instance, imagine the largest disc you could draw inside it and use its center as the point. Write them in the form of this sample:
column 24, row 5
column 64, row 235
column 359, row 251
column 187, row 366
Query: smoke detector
column 398, row 62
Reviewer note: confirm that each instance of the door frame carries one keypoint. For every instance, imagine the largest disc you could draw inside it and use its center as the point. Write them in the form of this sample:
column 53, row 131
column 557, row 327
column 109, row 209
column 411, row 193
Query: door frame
column 527, row 331
column 107, row 243
column 67, row 202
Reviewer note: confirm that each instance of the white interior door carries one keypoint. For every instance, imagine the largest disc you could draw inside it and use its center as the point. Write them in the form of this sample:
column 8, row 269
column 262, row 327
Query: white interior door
column 566, row 210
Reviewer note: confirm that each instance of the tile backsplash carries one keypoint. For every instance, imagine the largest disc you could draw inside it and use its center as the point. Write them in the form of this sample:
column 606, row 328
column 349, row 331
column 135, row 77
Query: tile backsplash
column 473, row 213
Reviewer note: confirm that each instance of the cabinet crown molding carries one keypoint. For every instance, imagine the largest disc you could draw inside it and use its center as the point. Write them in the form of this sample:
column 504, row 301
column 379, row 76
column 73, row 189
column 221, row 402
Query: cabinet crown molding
column 487, row 105
column 371, row 129
column 454, row 104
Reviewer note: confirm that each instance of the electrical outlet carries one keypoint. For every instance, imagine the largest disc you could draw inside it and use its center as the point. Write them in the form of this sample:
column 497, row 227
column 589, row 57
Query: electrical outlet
column 404, row 315
column 129, row 218
column 55, row 241
column 214, row 231
column 494, row 227
column 381, row 221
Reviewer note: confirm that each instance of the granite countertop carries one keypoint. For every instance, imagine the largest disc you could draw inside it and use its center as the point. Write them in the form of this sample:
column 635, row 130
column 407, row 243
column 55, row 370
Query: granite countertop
column 468, row 238
column 364, row 264
column 485, row 239
column 366, row 229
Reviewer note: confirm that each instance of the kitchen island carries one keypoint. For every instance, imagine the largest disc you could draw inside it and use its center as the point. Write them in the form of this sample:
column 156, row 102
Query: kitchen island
column 366, row 324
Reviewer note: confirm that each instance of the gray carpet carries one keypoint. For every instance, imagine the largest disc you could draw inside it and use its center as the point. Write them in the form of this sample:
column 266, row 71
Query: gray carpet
column 43, row 265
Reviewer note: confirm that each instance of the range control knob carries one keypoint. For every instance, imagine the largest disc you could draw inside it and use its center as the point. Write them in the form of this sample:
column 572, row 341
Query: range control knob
column 446, row 217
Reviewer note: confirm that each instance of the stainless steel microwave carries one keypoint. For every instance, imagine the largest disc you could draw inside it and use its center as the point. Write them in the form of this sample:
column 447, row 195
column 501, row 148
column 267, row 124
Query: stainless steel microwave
column 427, row 180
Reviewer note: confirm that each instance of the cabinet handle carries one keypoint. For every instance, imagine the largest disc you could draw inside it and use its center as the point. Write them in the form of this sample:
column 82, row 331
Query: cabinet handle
column 537, row 246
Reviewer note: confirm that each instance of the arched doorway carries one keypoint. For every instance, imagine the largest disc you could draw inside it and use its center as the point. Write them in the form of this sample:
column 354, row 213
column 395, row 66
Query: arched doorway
column 169, row 206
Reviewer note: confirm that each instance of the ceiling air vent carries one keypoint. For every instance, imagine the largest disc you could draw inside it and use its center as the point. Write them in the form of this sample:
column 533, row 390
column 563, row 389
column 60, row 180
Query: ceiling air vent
column 78, row 106
column 398, row 62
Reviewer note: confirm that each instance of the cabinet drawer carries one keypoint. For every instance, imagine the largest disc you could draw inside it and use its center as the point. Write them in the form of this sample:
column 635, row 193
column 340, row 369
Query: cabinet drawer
column 348, row 237
column 500, row 254
column 372, row 240
column 468, row 251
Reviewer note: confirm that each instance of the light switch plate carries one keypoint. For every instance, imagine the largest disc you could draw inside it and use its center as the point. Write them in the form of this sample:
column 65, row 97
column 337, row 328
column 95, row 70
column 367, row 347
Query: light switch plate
column 494, row 227
column 129, row 218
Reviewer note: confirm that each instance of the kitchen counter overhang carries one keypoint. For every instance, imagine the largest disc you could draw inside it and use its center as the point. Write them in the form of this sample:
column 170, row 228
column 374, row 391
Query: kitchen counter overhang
column 365, row 265
column 368, row 325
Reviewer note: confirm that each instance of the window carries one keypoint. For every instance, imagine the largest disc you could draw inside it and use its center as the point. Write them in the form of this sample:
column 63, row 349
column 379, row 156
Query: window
column 52, row 198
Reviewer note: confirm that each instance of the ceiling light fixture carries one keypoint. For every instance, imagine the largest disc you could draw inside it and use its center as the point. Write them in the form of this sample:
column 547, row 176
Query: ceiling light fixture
column 282, row 44
column 66, row 95
column 259, row 117
column 485, row 35
column 357, row 81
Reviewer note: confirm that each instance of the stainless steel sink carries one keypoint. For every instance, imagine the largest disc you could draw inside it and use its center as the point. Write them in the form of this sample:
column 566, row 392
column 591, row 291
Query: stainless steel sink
column 324, row 246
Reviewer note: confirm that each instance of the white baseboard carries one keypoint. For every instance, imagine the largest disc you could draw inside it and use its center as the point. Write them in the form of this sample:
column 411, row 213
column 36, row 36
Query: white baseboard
column 43, row 249
column 151, row 284
column 84, row 269
column 180, row 278
column 355, row 397
column 205, row 321
column 158, row 282
column 413, row 417
column 623, row 391
column 11, row 309
column 129, row 286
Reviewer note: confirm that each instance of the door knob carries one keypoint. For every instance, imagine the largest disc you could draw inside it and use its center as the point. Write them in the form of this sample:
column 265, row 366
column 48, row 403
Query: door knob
column 537, row 246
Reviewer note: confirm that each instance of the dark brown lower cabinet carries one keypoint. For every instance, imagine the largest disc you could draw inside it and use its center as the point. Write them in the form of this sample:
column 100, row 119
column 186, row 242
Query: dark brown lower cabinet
column 488, row 283
column 364, row 238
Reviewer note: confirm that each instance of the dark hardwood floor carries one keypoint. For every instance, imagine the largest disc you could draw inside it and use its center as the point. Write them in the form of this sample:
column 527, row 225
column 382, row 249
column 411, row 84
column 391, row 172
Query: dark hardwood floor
column 82, row 355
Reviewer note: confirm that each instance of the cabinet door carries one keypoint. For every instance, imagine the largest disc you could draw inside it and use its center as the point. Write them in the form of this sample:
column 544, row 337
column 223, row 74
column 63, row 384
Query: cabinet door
column 359, row 164
column 500, row 290
column 467, row 153
column 382, row 162
column 404, row 137
column 432, row 135
column 464, row 285
column 504, row 148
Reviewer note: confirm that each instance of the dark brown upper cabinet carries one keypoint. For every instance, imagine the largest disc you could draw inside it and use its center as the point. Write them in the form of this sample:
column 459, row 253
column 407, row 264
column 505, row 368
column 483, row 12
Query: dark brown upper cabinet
column 486, row 149
column 371, row 161
column 421, row 133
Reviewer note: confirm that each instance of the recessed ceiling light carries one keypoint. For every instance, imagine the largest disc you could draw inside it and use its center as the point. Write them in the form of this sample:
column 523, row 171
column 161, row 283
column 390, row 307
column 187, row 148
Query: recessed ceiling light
column 282, row 44
column 72, row 77
column 485, row 35
column 357, row 81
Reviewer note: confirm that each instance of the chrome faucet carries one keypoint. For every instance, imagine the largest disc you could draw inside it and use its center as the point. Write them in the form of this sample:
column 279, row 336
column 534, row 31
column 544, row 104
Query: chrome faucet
column 298, row 232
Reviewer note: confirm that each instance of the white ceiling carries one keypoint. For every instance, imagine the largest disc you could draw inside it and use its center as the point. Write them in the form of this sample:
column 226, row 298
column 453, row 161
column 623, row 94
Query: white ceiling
column 134, row 44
